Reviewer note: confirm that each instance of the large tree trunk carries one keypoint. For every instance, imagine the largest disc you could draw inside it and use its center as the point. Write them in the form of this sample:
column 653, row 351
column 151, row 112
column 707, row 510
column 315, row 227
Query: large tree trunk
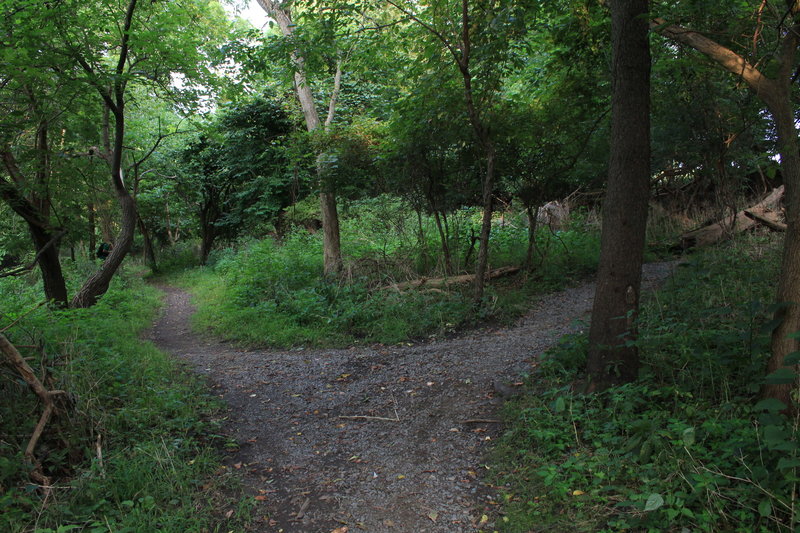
column 776, row 94
column 55, row 289
column 97, row 284
column 788, row 315
column 612, row 358
column 331, row 243
column 42, row 234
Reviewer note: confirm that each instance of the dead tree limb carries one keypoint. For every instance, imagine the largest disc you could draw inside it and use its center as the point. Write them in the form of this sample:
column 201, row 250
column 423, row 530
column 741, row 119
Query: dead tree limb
column 771, row 219
column 18, row 362
column 736, row 223
column 427, row 283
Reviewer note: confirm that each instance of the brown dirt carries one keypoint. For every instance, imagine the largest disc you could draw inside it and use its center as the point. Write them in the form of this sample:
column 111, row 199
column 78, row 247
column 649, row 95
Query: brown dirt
column 379, row 438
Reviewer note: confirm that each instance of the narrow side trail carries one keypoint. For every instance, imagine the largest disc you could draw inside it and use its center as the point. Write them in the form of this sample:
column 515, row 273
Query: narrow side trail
column 375, row 439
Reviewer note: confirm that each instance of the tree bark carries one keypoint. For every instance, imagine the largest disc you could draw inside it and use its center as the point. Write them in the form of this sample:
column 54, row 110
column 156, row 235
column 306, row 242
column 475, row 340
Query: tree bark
column 612, row 357
column 149, row 250
column 331, row 243
column 533, row 221
column 55, row 288
column 97, row 284
column 776, row 95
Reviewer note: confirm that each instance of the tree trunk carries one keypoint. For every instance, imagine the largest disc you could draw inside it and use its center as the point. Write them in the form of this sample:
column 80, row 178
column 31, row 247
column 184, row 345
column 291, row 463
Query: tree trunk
column 331, row 243
column 533, row 220
column 55, row 289
column 482, row 262
column 92, row 229
column 776, row 94
column 448, row 259
column 208, row 235
column 788, row 292
column 149, row 250
column 42, row 234
column 331, row 246
column 612, row 358
column 97, row 284
column 114, row 99
column 421, row 240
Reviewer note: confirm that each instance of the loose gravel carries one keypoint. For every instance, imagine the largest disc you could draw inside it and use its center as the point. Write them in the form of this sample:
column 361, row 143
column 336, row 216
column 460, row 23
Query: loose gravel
column 374, row 438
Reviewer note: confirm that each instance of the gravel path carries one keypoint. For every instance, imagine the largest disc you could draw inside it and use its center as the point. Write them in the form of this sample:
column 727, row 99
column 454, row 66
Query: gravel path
column 376, row 439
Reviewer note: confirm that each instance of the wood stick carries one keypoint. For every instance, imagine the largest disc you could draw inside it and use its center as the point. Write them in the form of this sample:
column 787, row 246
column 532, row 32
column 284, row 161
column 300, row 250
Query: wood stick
column 366, row 417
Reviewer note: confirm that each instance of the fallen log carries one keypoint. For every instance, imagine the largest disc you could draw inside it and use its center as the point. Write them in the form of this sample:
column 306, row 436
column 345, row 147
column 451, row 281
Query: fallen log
column 771, row 219
column 428, row 283
column 737, row 223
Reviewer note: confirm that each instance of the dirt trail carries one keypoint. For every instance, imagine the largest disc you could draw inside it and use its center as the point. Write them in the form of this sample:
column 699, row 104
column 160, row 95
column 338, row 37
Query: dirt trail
column 376, row 439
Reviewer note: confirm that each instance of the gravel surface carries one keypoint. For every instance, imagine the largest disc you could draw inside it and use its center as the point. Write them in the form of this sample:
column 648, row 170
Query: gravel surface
column 377, row 438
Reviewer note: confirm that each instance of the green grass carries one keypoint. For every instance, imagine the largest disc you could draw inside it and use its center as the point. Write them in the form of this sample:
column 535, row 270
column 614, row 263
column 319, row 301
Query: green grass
column 277, row 289
column 685, row 448
column 133, row 448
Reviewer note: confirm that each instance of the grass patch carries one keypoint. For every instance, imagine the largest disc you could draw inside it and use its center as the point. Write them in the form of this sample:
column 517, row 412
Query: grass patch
column 277, row 289
column 132, row 448
column 685, row 448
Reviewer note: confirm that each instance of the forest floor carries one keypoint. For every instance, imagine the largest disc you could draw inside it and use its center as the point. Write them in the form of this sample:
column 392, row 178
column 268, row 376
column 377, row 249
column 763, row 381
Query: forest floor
column 382, row 438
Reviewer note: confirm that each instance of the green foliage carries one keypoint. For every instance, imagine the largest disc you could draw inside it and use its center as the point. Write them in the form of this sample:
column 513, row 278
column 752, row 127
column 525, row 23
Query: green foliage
column 129, row 447
column 277, row 287
column 279, row 291
column 685, row 446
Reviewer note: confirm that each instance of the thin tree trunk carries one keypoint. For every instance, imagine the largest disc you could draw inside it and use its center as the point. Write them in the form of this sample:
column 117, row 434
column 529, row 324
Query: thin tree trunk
column 482, row 262
column 92, row 229
column 533, row 220
column 98, row 283
column 149, row 250
column 448, row 260
column 421, row 241
column 612, row 357
column 331, row 243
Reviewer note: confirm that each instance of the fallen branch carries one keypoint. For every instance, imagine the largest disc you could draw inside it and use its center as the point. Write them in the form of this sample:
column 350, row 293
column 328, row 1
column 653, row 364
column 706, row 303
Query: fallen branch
column 770, row 219
column 26, row 372
column 452, row 280
column 737, row 223
column 366, row 417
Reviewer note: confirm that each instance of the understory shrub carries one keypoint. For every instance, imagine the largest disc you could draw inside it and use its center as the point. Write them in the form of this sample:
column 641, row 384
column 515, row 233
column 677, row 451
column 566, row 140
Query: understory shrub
column 131, row 446
column 688, row 447
column 277, row 290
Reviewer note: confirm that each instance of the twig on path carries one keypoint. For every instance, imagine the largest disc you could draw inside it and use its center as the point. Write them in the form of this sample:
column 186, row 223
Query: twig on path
column 303, row 508
column 366, row 417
